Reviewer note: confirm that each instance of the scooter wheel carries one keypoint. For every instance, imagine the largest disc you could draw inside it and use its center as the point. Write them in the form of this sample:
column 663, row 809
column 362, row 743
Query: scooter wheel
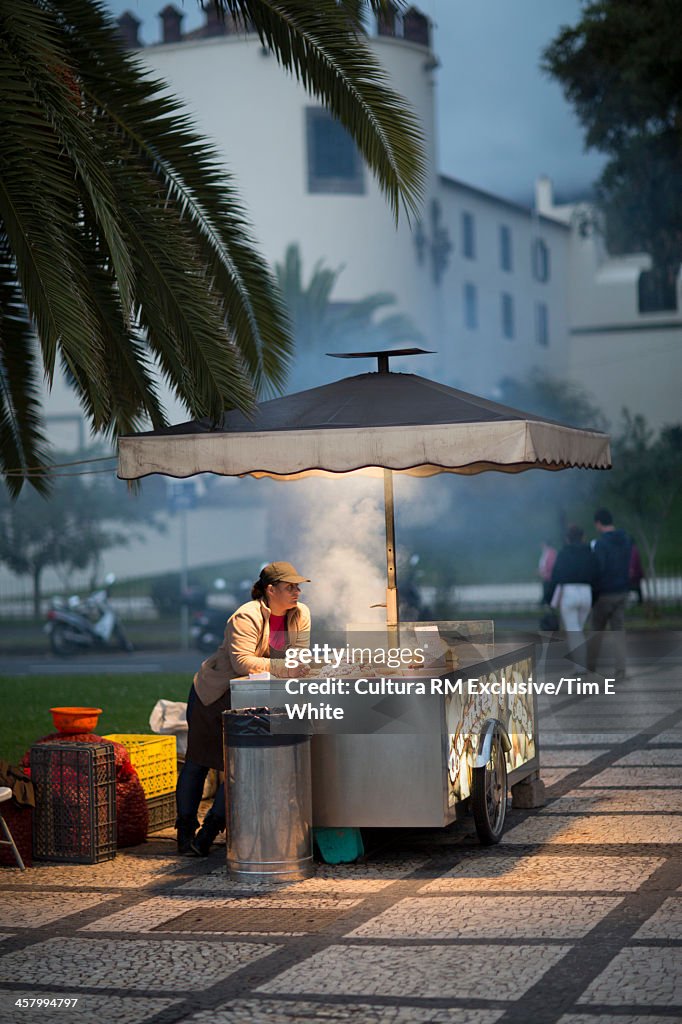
column 61, row 643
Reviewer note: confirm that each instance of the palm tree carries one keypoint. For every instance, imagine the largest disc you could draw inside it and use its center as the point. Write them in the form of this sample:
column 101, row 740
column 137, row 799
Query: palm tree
column 319, row 323
column 125, row 253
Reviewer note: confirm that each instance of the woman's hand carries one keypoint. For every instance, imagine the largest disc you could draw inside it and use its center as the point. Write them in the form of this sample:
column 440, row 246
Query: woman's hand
column 298, row 672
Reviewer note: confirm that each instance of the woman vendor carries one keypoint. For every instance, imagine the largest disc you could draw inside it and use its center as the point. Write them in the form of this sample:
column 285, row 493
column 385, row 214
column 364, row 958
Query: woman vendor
column 256, row 637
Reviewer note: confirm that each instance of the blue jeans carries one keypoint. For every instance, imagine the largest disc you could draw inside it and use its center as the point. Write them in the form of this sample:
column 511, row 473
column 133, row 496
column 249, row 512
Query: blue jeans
column 190, row 784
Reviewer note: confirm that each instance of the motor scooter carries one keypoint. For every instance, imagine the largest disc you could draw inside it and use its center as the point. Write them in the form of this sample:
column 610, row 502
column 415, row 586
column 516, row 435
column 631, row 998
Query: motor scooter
column 80, row 625
column 208, row 629
column 208, row 624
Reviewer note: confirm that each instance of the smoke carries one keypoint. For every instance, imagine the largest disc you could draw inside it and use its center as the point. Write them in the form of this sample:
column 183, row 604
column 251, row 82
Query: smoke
column 340, row 543
column 421, row 502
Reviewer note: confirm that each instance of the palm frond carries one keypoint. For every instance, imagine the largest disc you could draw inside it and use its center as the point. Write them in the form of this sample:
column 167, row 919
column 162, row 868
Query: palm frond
column 126, row 248
column 150, row 126
column 320, row 44
column 23, row 444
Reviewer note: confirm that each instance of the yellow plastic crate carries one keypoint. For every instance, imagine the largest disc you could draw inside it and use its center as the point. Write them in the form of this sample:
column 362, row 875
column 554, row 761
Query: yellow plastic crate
column 154, row 758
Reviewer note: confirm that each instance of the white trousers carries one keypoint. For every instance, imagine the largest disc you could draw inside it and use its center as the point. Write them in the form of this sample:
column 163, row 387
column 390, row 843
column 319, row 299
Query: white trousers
column 574, row 606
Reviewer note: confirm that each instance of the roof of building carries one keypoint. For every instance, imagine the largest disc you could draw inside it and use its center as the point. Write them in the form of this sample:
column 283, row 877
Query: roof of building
column 508, row 204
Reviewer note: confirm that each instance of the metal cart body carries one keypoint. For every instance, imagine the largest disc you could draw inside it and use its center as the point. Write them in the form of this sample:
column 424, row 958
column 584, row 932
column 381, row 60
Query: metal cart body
column 421, row 778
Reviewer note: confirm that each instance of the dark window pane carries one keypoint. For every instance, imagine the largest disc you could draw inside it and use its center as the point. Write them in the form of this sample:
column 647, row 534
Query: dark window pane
column 505, row 247
column 507, row 309
column 470, row 306
column 540, row 260
column 541, row 324
column 334, row 164
column 468, row 236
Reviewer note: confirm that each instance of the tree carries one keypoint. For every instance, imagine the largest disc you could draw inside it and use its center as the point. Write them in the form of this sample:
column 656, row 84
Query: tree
column 620, row 68
column 72, row 529
column 124, row 250
column 554, row 398
column 557, row 399
column 645, row 481
column 320, row 324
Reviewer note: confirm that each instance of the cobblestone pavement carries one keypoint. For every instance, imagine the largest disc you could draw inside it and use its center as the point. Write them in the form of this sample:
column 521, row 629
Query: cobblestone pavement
column 574, row 918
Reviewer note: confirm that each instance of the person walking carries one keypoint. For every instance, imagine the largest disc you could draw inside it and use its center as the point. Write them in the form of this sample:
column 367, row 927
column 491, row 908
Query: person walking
column 573, row 576
column 612, row 550
column 545, row 569
column 636, row 573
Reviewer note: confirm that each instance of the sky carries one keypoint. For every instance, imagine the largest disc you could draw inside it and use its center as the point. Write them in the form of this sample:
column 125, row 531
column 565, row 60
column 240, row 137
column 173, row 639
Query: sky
column 501, row 121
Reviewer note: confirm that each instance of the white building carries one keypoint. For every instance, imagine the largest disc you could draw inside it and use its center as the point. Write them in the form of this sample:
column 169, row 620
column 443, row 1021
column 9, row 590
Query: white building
column 625, row 352
column 496, row 289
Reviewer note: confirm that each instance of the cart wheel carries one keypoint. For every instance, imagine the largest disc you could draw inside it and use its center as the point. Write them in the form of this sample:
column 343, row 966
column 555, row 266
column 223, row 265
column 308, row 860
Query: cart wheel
column 489, row 794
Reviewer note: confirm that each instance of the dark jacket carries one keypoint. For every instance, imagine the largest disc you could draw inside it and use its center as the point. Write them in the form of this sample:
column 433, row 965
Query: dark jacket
column 612, row 553
column 575, row 563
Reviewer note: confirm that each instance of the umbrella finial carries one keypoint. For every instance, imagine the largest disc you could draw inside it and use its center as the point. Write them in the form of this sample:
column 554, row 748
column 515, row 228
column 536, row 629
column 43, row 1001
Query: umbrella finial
column 382, row 355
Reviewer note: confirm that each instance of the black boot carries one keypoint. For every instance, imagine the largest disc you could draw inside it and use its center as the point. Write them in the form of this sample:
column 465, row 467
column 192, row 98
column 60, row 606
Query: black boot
column 186, row 828
column 203, row 840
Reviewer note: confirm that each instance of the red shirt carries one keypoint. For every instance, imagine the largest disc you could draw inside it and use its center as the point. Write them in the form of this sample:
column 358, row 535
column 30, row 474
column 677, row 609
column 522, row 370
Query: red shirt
column 279, row 637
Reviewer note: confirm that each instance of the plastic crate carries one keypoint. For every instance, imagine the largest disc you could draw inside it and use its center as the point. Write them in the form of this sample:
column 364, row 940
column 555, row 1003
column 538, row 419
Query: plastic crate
column 75, row 790
column 153, row 757
column 162, row 812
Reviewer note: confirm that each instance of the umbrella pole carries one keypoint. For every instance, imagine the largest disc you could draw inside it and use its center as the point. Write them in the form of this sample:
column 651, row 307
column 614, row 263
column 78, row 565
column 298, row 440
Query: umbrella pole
column 392, row 582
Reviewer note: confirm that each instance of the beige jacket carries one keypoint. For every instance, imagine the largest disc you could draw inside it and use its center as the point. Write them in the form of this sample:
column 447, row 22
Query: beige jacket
column 246, row 648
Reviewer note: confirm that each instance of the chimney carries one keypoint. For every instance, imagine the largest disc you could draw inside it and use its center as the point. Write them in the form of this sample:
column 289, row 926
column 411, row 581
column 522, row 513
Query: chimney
column 128, row 27
column 544, row 195
column 215, row 21
column 386, row 22
column 171, row 20
column 416, row 27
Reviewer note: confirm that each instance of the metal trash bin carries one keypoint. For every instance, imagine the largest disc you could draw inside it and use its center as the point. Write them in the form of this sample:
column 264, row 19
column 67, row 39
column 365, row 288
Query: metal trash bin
column 268, row 797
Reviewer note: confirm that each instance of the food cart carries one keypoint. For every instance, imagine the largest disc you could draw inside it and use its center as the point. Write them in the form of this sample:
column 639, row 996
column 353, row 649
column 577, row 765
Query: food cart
column 377, row 424
column 420, row 760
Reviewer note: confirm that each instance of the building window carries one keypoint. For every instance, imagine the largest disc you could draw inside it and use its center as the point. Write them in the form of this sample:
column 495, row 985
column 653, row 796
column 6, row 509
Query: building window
column 507, row 310
column 334, row 163
column 541, row 324
column 470, row 306
column 506, row 262
column 540, row 260
column 468, row 235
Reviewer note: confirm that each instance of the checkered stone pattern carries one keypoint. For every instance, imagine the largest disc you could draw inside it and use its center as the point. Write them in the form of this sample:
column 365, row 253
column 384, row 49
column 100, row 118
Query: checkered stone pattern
column 651, row 758
column 533, row 872
column 35, row 909
column 641, row 976
column 626, row 778
column 490, row 917
column 565, row 758
column 126, row 871
column 551, row 776
column 133, row 964
column 550, row 738
column 271, row 1011
column 597, row 829
column 666, row 923
column 669, row 736
column 214, row 915
column 341, row 879
column 596, row 801
column 608, row 1018
column 422, row 972
column 574, row 919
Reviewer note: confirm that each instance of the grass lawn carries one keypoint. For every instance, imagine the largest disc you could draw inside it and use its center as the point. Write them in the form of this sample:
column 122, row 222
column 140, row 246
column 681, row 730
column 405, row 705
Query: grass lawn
column 126, row 702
